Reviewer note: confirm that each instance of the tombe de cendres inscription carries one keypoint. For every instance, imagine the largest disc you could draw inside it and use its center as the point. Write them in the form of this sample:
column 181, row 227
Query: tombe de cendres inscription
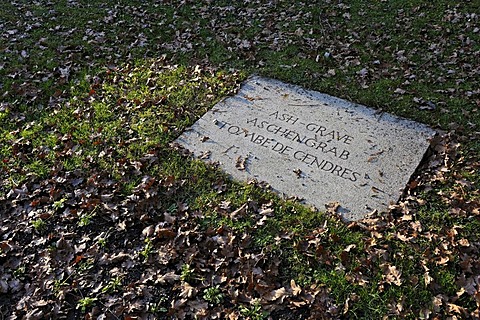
column 310, row 145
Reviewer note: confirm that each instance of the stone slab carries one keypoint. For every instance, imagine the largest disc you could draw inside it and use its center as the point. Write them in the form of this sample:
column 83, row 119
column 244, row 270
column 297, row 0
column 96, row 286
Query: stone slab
column 311, row 145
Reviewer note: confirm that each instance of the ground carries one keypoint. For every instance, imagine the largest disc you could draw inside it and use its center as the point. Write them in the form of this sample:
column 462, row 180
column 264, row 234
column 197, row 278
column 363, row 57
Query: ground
column 103, row 217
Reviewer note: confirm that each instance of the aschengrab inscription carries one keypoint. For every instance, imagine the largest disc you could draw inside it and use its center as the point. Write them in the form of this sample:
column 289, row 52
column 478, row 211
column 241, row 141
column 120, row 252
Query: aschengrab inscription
column 310, row 145
column 295, row 137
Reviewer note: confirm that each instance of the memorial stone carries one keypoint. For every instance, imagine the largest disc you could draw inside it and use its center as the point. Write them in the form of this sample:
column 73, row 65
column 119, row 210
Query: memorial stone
column 311, row 145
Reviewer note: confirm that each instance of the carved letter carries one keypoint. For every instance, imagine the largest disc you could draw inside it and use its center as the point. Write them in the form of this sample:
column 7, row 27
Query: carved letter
column 327, row 163
column 259, row 139
column 330, row 134
column 311, row 126
column 297, row 138
column 266, row 142
column 278, row 147
column 316, row 162
column 287, row 134
column 355, row 176
column 299, row 153
column 285, row 150
column 337, row 169
column 332, row 150
column 262, row 124
column 345, row 171
column 310, row 142
column 290, row 119
column 274, row 114
column 234, row 130
column 284, row 132
column 250, row 134
column 344, row 155
column 275, row 130
column 223, row 124
column 321, row 129
column 321, row 146
column 347, row 139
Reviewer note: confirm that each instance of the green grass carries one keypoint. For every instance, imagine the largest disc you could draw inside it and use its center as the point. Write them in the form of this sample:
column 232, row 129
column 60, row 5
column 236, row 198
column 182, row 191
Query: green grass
column 133, row 86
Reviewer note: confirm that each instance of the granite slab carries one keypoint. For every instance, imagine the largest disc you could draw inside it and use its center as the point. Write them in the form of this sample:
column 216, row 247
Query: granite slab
column 310, row 145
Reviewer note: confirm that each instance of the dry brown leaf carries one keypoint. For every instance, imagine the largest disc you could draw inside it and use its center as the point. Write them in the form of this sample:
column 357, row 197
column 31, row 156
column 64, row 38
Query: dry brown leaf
column 187, row 291
column 277, row 295
column 148, row 231
column 240, row 163
column 240, row 212
column 453, row 308
column 392, row 275
column 165, row 233
column 296, row 290
column 169, row 277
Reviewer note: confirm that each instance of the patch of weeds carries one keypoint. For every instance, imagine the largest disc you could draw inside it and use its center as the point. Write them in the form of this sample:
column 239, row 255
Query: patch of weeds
column 147, row 249
column 102, row 238
column 435, row 219
column 266, row 235
column 446, row 279
column 187, row 274
column 85, row 303
column 39, row 225
column 368, row 302
column 213, row 295
column 129, row 186
column 102, row 242
column 240, row 225
column 19, row 272
column 254, row 311
column 85, row 219
column 86, row 265
column 58, row 284
column 4, row 113
column 210, row 220
column 38, row 168
column 173, row 208
column 333, row 279
column 113, row 285
column 297, row 266
column 71, row 164
column 59, row 204
column 160, row 307
column 470, row 229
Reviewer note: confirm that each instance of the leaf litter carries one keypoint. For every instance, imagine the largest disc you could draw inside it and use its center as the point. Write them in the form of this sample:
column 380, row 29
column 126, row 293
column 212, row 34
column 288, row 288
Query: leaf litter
column 84, row 242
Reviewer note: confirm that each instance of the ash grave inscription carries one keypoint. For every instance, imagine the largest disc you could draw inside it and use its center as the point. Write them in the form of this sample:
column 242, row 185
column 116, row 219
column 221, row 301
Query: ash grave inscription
column 310, row 145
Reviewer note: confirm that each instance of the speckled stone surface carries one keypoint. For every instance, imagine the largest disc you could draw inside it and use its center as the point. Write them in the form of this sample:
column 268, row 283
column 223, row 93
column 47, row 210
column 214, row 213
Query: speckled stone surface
column 310, row 145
